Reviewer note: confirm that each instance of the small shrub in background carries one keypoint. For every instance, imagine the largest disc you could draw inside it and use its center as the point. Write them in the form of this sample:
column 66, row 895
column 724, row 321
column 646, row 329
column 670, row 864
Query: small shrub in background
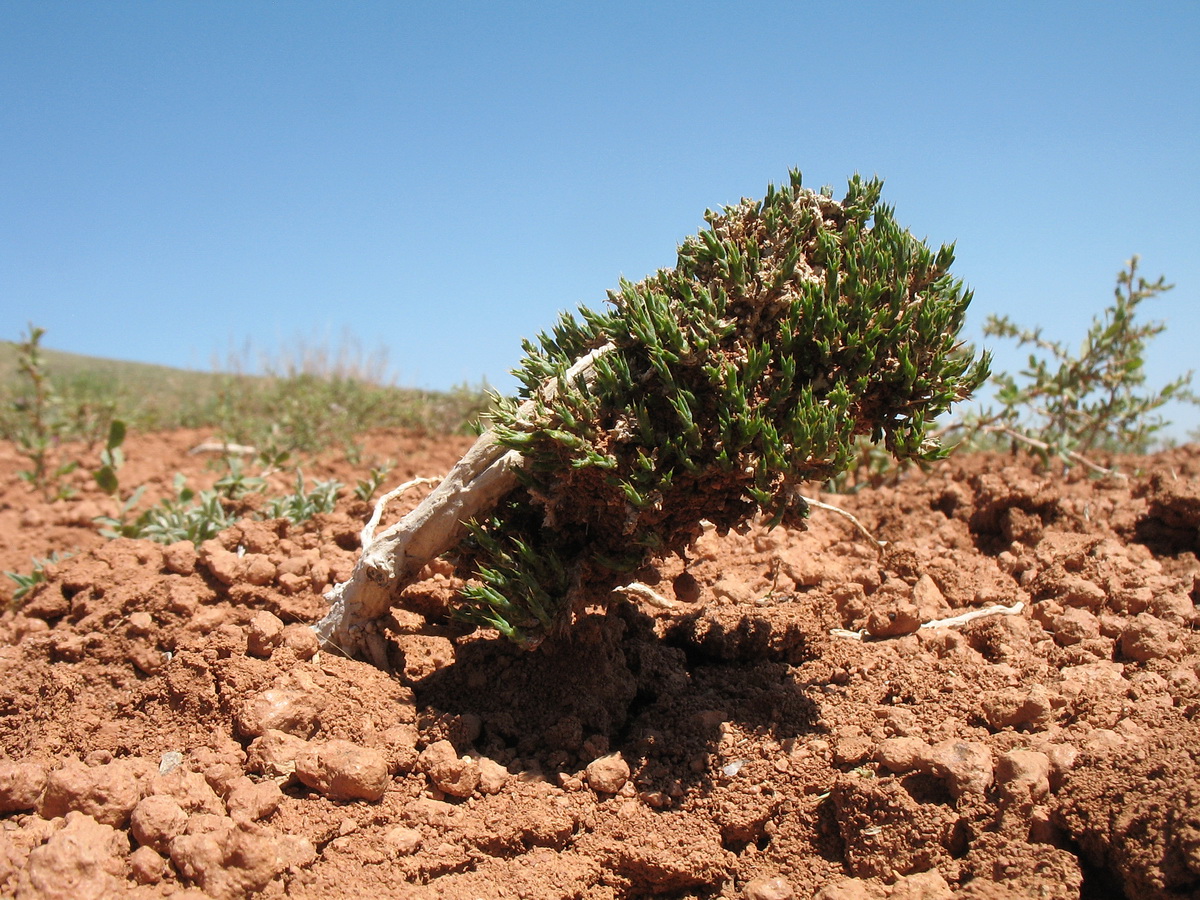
column 38, row 424
column 1071, row 405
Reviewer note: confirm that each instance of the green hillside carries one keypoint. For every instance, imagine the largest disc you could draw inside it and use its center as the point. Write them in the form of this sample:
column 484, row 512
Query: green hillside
column 295, row 411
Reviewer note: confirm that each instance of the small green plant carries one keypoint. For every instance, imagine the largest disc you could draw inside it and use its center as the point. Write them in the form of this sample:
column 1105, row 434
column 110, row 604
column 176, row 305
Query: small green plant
column 366, row 488
column 26, row 583
column 1071, row 405
column 41, row 426
column 112, row 458
column 303, row 504
column 235, row 483
column 188, row 516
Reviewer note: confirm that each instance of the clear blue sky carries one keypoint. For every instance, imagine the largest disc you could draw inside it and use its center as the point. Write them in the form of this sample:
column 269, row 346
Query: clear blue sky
column 440, row 180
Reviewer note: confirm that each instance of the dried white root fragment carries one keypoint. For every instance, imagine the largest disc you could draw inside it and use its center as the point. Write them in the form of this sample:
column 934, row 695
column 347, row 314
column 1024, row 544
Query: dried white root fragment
column 952, row 621
column 645, row 592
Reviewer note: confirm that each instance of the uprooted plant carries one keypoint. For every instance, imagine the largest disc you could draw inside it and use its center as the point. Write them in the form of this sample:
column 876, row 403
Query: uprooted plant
column 709, row 391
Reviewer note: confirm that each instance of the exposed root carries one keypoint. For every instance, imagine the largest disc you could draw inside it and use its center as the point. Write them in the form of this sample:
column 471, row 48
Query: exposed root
column 368, row 532
column 645, row 592
column 950, row 622
column 829, row 507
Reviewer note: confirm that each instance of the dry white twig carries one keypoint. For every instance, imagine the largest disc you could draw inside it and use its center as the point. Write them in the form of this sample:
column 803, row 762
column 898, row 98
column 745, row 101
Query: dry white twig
column 393, row 558
column 645, row 592
column 829, row 507
column 368, row 532
column 223, row 447
column 962, row 619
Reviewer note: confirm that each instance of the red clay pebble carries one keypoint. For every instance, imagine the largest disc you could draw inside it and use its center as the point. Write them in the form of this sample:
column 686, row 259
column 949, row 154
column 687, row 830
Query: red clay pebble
column 965, row 766
column 147, row 866
column 921, row 886
column 293, row 712
column 250, row 801
column 768, row 888
column 892, row 618
column 1074, row 625
column 190, row 790
column 107, row 793
column 156, row 820
column 180, row 558
column 608, row 774
column 225, row 565
column 21, row 785
column 263, row 633
column 342, row 770
column 1147, row 638
column 301, row 640
column 257, row 569
column 1024, row 772
column 227, row 862
column 1013, row 708
column 901, row 754
column 274, row 754
column 492, row 776
column 82, row 861
column 450, row 773
column 848, row 889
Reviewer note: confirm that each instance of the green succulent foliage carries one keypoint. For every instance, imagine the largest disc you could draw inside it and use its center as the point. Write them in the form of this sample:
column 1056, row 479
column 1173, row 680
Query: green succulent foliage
column 787, row 327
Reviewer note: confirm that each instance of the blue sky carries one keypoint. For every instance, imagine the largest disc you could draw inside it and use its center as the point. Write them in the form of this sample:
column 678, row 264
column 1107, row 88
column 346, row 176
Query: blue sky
column 439, row 180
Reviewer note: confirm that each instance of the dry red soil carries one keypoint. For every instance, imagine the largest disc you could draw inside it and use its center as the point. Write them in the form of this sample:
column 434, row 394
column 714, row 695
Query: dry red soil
column 167, row 727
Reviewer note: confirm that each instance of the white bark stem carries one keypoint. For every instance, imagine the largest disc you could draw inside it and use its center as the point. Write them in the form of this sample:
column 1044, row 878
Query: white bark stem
column 393, row 558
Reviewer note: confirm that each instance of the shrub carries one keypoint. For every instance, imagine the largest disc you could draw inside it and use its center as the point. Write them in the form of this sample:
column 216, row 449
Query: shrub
column 787, row 328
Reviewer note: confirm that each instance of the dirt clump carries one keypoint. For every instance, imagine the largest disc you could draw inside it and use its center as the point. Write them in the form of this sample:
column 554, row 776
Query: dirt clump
column 789, row 725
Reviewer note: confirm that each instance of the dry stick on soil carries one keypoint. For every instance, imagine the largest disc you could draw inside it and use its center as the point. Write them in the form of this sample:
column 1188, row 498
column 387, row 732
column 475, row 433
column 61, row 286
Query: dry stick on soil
column 713, row 390
column 862, row 529
column 950, row 622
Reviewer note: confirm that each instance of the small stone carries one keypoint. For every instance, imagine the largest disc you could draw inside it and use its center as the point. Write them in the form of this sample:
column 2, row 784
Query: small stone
column 250, row 801
column 156, row 820
column 1073, row 626
column 774, row 887
column 846, row 889
column 901, row 754
column 608, row 774
column 1080, row 592
column 21, row 785
column 1013, row 708
column 928, row 885
column 342, row 770
column 225, row 565
column 263, row 633
column 492, row 776
column 274, row 754
column 107, row 793
column 1147, row 638
column 450, row 773
column 82, row 861
column 929, row 599
column 301, row 640
column 227, row 862
column 965, row 766
column 189, row 789
column 895, row 616
column 180, row 558
column 257, row 569
column 147, row 866
column 289, row 711
column 1024, row 772
column 140, row 623
column 403, row 841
